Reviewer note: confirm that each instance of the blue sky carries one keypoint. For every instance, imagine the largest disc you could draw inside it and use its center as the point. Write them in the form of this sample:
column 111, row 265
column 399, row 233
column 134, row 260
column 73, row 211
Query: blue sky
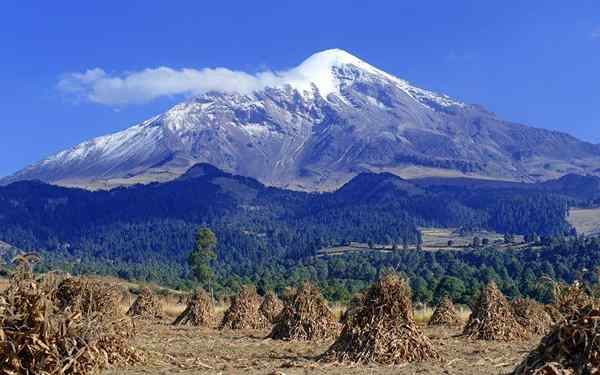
column 533, row 62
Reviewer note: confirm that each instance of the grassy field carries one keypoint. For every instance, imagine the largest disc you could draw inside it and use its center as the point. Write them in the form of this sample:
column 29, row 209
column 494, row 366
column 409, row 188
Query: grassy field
column 434, row 239
column 585, row 220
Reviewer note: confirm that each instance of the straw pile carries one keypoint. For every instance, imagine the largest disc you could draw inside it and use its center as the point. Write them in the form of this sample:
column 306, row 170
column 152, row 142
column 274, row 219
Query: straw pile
column 353, row 306
column 88, row 296
column 493, row 319
column 200, row 310
column 571, row 348
column 146, row 306
column 532, row 315
column 305, row 316
column 271, row 307
column 445, row 314
column 244, row 311
column 36, row 337
column 569, row 299
column 383, row 330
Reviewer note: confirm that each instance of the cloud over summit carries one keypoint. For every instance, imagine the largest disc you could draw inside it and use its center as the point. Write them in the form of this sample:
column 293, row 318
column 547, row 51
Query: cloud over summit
column 142, row 86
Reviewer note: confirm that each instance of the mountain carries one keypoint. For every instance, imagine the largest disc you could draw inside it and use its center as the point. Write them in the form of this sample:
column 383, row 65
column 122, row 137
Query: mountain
column 332, row 118
column 145, row 231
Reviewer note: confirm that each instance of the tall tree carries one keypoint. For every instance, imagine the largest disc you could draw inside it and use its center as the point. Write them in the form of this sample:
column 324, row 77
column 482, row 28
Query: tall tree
column 203, row 254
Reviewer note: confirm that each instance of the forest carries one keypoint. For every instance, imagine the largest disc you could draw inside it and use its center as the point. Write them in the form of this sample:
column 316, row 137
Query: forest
column 145, row 232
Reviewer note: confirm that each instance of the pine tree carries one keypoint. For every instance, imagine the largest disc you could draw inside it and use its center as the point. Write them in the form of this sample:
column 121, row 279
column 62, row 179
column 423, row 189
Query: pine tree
column 203, row 254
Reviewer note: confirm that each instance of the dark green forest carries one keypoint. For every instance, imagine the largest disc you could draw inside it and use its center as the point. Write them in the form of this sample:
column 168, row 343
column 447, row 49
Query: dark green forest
column 271, row 236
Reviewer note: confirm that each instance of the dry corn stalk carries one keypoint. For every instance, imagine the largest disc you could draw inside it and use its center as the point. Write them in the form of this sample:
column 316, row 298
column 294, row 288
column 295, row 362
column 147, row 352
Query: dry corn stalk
column 532, row 315
column 271, row 307
column 146, row 306
column 493, row 318
column 445, row 314
column 305, row 316
column 244, row 311
column 200, row 310
column 383, row 329
column 572, row 347
column 38, row 337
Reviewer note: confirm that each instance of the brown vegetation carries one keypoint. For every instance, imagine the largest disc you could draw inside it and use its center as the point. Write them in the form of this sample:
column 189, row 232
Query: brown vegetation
column 532, row 315
column 305, row 316
column 200, row 310
column 383, row 329
column 39, row 337
column 146, row 306
column 571, row 348
column 445, row 314
column 88, row 296
column 244, row 311
column 493, row 319
column 271, row 307
column 353, row 306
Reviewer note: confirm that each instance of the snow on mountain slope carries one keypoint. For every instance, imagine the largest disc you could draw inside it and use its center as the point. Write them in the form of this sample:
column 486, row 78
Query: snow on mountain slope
column 315, row 127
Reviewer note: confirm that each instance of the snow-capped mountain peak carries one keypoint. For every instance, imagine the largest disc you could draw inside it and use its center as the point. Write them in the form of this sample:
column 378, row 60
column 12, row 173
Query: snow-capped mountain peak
column 322, row 70
column 314, row 127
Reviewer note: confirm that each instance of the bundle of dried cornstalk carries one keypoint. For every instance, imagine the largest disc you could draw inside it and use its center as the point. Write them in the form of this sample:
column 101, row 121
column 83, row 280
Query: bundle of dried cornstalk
column 305, row 316
column 244, row 311
column 572, row 347
column 532, row 315
column 146, row 306
column 493, row 318
column 569, row 298
column 353, row 306
column 200, row 310
column 383, row 329
column 37, row 337
column 445, row 314
column 88, row 296
column 271, row 306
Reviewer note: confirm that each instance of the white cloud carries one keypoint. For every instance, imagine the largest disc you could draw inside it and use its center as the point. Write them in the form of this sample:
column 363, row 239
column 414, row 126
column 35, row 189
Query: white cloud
column 142, row 86
column 98, row 86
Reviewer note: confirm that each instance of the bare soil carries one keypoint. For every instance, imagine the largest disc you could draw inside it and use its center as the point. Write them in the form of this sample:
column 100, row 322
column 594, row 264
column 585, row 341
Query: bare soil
column 190, row 350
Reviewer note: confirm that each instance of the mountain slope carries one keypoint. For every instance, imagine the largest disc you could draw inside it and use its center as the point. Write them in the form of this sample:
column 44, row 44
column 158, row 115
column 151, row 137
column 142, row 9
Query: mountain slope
column 333, row 117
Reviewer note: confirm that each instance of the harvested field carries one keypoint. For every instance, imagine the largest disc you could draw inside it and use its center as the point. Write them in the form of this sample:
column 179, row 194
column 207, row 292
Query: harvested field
column 585, row 220
column 193, row 350
column 190, row 350
column 39, row 337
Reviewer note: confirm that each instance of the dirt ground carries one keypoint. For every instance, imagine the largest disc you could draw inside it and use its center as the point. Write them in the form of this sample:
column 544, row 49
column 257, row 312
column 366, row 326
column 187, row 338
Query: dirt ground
column 189, row 350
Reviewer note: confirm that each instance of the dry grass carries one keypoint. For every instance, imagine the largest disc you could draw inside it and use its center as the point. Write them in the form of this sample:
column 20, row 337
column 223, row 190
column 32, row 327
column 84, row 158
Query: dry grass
column 423, row 315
